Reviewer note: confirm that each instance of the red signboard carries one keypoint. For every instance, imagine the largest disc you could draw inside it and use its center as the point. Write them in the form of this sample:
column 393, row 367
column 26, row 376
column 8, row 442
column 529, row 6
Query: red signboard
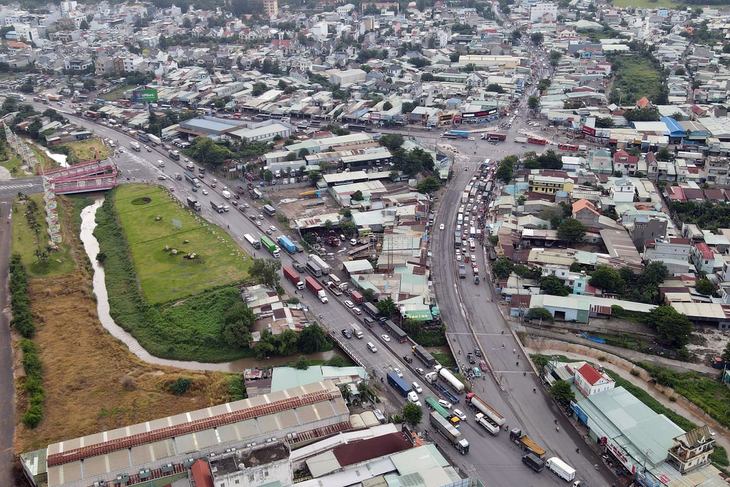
column 589, row 130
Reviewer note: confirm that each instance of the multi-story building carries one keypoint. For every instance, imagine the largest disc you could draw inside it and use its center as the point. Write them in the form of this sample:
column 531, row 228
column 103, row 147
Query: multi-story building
column 623, row 191
column 692, row 450
column 549, row 184
column 674, row 252
column 590, row 381
column 271, row 7
column 544, row 12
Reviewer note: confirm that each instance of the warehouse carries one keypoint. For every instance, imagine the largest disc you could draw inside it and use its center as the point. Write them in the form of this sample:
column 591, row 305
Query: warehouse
column 263, row 132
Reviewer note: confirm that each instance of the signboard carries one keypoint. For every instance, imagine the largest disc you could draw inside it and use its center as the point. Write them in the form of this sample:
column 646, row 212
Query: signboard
column 484, row 113
column 144, row 95
column 589, row 130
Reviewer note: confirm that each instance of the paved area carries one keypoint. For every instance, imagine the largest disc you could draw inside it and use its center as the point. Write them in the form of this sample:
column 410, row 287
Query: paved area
column 7, row 388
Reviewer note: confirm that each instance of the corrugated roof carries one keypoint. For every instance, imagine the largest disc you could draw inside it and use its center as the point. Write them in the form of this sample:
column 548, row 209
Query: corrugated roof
column 590, row 374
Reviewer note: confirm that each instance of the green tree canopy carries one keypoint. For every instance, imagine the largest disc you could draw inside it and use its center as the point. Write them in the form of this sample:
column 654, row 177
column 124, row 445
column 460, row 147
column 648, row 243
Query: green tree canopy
column 429, row 185
column 607, row 279
column 705, row 286
column 357, row 196
column 562, row 392
column 387, row 306
column 572, row 230
column 536, row 314
column 311, row 339
column 502, row 268
column 533, row 103
column 412, row 414
column 237, row 325
column 670, row 324
column 553, row 285
column 265, row 271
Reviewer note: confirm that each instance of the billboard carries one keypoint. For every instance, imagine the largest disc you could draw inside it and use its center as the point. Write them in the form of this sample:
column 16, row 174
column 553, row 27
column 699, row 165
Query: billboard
column 144, row 95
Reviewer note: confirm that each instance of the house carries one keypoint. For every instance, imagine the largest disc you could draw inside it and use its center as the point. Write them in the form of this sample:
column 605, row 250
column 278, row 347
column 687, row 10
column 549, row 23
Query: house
column 585, row 212
column 705, row 259
column 590, row 381
column 674, row 252
column 622, row 191
column 599, row 161
column 643, row 103
column 625, row 163
column 692, row 449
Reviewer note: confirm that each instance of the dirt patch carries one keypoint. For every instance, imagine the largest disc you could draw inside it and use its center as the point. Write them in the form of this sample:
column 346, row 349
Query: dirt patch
column 707, row 343
column 296, row 207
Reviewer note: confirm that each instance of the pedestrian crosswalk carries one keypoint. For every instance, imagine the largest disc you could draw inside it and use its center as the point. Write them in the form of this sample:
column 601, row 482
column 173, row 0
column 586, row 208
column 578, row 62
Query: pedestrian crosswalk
column 4, row 186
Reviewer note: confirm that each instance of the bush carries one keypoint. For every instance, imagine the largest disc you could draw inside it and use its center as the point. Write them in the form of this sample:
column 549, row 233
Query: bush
column 20, row 302
column 236, row 388
column 33, row 368
column 180, row 386
column 33, row 416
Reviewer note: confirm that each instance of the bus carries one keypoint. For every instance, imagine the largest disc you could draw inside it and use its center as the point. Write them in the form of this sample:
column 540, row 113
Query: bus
column 269, row 210
column 91, row 115
column 262, row 116
column 536, row 140
column 143, row 136
column 568, row 147
column 361, row 128
column 496, row 137
column 449, row 136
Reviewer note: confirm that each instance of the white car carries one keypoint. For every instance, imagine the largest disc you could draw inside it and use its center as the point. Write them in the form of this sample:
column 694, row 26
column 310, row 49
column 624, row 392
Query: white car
column 459, row 414
column 205, row 191
column 398, row 372
column 473, row 258
column 416, row 387
column 349, row 304
column 441, row 227
column 272, row 228
column 458, row 257
column 160, row 163
column 413, row 397
column 357, row 311
column 385, row 337
column 471, row 138
column 445, row 403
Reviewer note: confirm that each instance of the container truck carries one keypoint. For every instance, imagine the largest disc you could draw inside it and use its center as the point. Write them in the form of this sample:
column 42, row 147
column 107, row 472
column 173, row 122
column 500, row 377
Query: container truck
column 455, row 383
column 292, row 276
column 356, row 297
column 135, row 146
column 459, row 133
column 322, row 264
column 316, row 288
column 481, row 405
column 433, row 379
column 193, row 203
column 287, row 244
column 356, row 330
column 423, row 355
column 398, row 384
column 267, row 244
column 526, row 443
column 395, row 331
column 560, row 468
column 251, row 240
column 449, row 432
column 154, row 140
column 217, row 207
column 487, row 424
column 314, row 269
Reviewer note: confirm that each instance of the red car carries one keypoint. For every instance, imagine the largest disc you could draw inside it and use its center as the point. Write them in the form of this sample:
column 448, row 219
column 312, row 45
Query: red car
column 483, row 366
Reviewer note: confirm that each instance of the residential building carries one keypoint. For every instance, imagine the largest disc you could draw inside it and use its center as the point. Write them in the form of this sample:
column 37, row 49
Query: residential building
column 599, row 161
column 625, row 163
column 549, row 184
column 674, row 252
column 585, row 212
column 590, row 381
column 271, row 7
column 692, row 450
column 544, row 13
column 644, row 229
column 622, row 191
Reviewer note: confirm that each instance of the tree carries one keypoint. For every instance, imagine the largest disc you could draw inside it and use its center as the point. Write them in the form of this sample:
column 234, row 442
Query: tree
column 494, row 87
column 368, row 295
column 386, row 306
column 533, row 103
column 301, row 363
column 314, row 176
column 553, row 285
column 429, row 185
column 89, row 84
column 391, row 141
column 502, row 268
column 540, row 362
column 387, row 106
column 607, row 279
column 505, row 171
column 357, row 196
column 704, row 286
column 663, row 154
column 412, row 414
column 654, row 273
column 670, row 324
column 292, row 156
column 537, row 37
column 26, row 88
column 562, row 392
column 537, row 314
column 265, row 271
column 572, row 230
column 311, row 339
column 84, row 25
column 237, row 325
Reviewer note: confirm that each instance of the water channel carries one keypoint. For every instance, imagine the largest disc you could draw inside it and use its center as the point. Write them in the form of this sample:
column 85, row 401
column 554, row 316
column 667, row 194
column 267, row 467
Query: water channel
column 91, row 245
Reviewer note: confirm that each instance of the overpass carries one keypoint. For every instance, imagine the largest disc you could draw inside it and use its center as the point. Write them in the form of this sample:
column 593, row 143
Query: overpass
column 84, row 177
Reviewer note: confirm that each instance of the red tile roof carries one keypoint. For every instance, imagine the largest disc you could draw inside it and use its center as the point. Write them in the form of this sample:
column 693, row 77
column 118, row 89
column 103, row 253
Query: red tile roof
column 590, row 374
column 201, row 474
column 360, row 451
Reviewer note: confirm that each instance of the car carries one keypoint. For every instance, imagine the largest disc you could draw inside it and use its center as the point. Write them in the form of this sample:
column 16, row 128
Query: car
column 194, row 189
column 349, row 304
column 121, row 151
column 346, row 333
column 148, row 148
column 161, row 177
column 413, row 397
column 416, row 387
column 477, row 352
column 398, row 372
column 201, row 176
column 385, row 337
column 185, row 159
column 172, row 190
column 460, row 414
column 237, row 196
column 473, row 257
column 357, row 311
column 477, row 372
column 372, row 347
column 471, row 358
column 246, row 205
column 444, row 403
column 258, row 222
column 212, row 185
column 272, row 228
column 419, row 371
column 483, row 366
column 408, row 360
column 160, row 163
column 234, row 203
column 466, row 259
column 472, row 139
column 474, row 265
column 382, row 319
column 441, row 227
column 269, row 232
column 205, row 191
column 458, row 257
column 353, row 241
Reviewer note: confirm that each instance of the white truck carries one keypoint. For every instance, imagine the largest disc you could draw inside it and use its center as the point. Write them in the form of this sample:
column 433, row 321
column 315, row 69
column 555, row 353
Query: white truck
column 356, row 330
column 560, row 468
column 487, row 424
column 455, row 383
column 490, row 415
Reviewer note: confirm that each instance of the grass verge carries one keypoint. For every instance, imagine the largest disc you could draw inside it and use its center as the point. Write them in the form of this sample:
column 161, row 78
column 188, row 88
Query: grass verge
column 162, row 275
column 87, row 150
column 188, row 329
column 116, row 93
column 445, row 359
column 636, row 77
column 14, row 165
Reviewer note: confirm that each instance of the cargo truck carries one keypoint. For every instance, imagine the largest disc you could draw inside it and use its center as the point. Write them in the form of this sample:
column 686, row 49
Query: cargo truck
column 217, row 207
column 372, row 310
column 325, row 267
column 251, row 240
column 432, row 403
column 481, row 405
column 398, row 384
column 314, row 269
column 458, row 133
column 154, row 140
column 526, row 443
column 395, row 331
column 135, row 146
column 287, row 244
column 292, row 276
column 356, row 330
column 521, row 140
column 462, row 271
column 487, row 424
column 560, row 468
column 298, row 266
column 193, row 203
column 451, row 379
column 267, row 244
column 316, row 288
column 534, row 462
column 423, row 355
column 449, row 432
column 356, row 297
column 433, row 379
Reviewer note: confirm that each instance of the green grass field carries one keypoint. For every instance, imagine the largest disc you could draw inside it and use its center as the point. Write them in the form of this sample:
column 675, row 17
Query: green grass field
column 162, row 275
column 87, row 150
column 636, row 77
column 117, row 93
column 26, row 243
column 14, row 166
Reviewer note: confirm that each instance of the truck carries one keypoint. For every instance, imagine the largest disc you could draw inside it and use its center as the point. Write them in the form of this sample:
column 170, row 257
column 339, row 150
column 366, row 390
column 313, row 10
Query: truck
column 526, row 443
column 292, row 276
column 455, row 383
column 423, row 355
column 458, row 133
column 269, row 210
column 356, row 297
column 398, row 384
column 372, row 310
column 521, row 140
column 560, row 468
column 433, row 379
column 457, row 239
column 462, row 271
column 226, row 194
column 256, row 194
column 314, row 269
column 193, row 203
column 174, row 155
column 488, row 411
column 154, row 140
column 267, row 244
column 251, row 240
column 449, row 432
column 135, row 146
column 465, row 197
column 217, row 207
column 298, row 266
column 356, row 330
column 334, row 289
column 487, row 424
column 534, row 462
column 287, row 244
column 395, row 331
column 432, row 403
column 316, row 288
column 322, row 264
column 191, row 177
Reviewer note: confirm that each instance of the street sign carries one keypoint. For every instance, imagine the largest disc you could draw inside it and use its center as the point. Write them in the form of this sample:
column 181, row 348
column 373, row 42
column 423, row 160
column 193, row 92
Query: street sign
column 144, row 95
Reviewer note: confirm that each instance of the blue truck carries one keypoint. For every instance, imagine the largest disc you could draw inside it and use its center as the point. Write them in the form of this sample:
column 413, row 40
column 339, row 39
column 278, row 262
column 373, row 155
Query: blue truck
column 287, row 244
column 399, row 384
column 459, row 133
column 447, row 393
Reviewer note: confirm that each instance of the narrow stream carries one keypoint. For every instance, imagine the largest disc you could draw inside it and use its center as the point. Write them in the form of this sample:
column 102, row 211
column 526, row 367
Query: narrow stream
column 91, row 245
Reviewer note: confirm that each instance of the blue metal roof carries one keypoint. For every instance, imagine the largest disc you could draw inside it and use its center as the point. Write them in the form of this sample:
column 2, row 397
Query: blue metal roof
column 675, row 130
